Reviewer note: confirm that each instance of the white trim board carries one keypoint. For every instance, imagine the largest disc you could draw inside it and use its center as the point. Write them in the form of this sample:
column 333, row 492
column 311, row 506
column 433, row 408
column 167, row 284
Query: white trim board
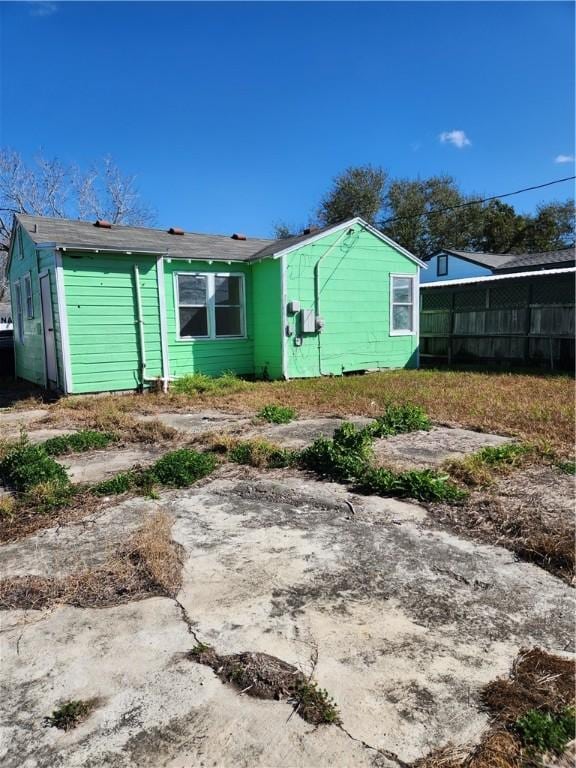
column 63, row 318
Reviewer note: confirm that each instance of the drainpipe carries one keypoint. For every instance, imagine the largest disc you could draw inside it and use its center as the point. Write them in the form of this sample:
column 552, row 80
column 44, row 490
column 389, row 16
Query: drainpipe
column 140, row 321
column 317, row 292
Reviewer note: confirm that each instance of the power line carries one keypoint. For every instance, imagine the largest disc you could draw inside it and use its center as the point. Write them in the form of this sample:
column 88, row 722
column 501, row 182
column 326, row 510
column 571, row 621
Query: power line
column 476, row 202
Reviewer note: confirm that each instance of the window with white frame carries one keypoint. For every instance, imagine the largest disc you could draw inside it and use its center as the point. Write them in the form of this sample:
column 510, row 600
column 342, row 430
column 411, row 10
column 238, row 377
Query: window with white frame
column 28, row 294
column 210, row 306
column 402, row 304
column 19, row 312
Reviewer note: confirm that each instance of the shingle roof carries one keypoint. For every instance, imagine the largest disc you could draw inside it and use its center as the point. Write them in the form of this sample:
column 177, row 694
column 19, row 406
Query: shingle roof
column 515, row 261
column 191, row 245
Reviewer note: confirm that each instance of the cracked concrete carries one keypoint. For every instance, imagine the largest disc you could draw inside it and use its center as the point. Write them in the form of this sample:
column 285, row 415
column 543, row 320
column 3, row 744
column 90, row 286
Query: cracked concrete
column 431, row 448
column 93, row 466
column 406, row 621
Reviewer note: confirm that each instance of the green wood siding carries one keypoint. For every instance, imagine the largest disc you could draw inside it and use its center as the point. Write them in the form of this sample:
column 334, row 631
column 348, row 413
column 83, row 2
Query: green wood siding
column 209, row 356
column 29, row 357
column 266, row 280
column 354, row 302
column 102, row 320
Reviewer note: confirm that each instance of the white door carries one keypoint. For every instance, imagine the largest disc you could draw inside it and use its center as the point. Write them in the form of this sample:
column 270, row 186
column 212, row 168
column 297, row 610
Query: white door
column 49, row 340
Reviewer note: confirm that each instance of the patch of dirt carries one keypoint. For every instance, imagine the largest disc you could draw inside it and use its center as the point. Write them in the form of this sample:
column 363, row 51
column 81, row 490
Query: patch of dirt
column 267, row 677
column 537, row 680
column 529, row 512
column 148, row 564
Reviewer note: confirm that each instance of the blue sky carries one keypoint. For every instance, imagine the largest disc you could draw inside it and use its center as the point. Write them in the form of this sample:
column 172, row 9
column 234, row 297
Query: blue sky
column 237, row 115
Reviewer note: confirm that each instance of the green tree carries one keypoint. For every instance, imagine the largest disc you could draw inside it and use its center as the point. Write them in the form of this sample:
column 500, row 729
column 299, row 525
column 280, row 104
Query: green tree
column 552, row 228
column 359, row 191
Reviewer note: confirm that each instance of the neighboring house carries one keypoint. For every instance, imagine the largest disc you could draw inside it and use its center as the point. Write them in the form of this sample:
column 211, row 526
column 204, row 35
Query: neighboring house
column 6, row 340
column 101, row 308
column 457, row 265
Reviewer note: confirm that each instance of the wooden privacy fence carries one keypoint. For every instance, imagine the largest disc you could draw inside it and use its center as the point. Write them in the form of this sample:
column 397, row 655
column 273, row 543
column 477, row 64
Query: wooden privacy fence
column 525, row 321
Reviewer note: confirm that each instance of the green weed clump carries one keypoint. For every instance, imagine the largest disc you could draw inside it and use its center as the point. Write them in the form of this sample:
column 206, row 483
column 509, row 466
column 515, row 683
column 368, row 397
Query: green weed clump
column 277, row 414
column 49, row 495
column 421, row 484
column 183, row 467
column 542, row 732
column 568, row 467
column 120, row 483
column 27, row 465
column 200, row 383
column 480, row 468
column 78, row 442
column 343, row 458
column 261, row 453
column 398, row 419
column 70, row 714
column 178, row 469
column 315, row 705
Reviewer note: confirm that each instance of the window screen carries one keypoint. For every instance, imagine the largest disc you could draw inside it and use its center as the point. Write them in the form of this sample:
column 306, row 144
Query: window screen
column 442, row 265
column 29, row 299
column 228, row 305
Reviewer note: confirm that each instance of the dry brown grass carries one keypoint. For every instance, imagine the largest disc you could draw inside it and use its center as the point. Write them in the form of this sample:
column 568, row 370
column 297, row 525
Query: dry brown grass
column 538, row 680
column 535, row 408
column 530, row 513
column 149, row 563
column 110, row 413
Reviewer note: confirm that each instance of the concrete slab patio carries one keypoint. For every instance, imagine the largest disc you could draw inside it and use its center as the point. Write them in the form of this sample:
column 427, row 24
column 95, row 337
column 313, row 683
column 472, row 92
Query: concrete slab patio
column 400, row 622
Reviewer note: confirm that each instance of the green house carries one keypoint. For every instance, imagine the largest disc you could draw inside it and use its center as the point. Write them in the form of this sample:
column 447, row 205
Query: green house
column 100, row 307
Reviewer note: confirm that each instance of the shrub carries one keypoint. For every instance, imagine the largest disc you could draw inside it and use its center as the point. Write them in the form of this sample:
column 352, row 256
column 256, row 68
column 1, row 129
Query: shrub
column 261, row 453
column 199, row 383
column 27, row 465
column 398, row 419
column 343, row 458
column 315, row 705
column 78, row 442
column 51, row 494
column 120, row 483
column 423, row 484
column 277, row 414
column 546, row 732
column 70, row 714
column 183, row 467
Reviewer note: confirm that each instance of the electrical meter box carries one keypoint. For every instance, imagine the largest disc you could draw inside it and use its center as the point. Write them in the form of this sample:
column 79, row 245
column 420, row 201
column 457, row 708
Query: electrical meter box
column 307, row 321
column 293, row 307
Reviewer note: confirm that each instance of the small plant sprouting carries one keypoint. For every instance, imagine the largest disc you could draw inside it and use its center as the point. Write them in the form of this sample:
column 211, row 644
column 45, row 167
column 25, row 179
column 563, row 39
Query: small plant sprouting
column 277, row 414
column 71, row 713
column 78, row 442
column 315, row 705
column 542, row 732
column 261, row 453
column 398, row 419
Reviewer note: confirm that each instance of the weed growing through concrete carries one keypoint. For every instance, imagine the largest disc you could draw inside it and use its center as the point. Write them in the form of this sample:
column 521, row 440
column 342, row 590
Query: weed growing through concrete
column 315, row 705
column 398, row 419
column 261, row 453
column 178, row 469
column 343, row 458
column 567, row 467
column 542, row 732
column 78, row 442
column 71, row 713
column 532, row 714
column 27, row 465
column 267, row 677
column 479, row 468
column 277, row 414
column 423, row 484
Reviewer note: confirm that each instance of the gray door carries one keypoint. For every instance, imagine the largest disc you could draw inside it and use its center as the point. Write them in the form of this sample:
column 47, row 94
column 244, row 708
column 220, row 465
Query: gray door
column 49, row 339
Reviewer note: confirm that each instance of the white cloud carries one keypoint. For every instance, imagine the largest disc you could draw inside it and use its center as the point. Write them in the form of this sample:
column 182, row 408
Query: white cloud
column 564, row 159
column 457, row 138
column 43, row 8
